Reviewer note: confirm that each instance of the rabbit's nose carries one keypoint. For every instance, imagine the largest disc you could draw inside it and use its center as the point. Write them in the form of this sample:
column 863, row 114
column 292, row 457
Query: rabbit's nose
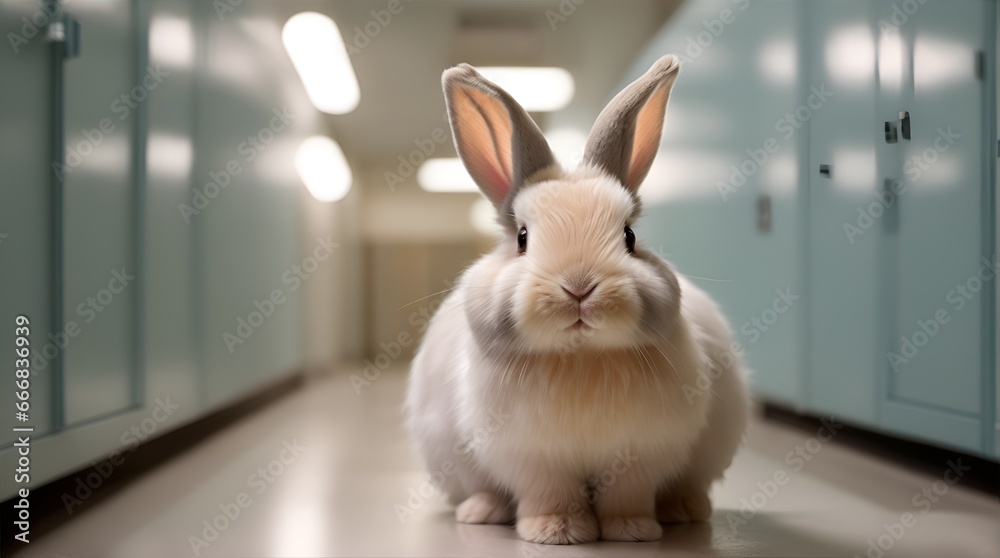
column 579, row 294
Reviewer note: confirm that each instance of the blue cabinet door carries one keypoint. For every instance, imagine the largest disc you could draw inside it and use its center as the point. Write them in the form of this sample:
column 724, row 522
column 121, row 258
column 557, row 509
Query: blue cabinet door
column 943, row 269
column 103, row 98
column 25, row 218
column 248, row 237
column 723, row 199
column 996, row 210
column 843, row 253
column 888, row 226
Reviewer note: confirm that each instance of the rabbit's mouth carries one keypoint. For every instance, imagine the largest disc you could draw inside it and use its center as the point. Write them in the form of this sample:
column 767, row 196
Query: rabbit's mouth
column 580, row 325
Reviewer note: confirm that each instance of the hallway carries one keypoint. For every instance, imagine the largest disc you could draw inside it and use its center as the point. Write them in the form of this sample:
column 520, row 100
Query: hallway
column 327, row 471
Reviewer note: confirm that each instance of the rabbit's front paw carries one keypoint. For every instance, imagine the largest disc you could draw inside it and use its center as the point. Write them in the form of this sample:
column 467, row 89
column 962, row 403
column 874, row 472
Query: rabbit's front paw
column 559, row 528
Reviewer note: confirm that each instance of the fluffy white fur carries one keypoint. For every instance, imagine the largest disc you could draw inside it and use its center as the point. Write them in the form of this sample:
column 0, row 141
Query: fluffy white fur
column 581, row 419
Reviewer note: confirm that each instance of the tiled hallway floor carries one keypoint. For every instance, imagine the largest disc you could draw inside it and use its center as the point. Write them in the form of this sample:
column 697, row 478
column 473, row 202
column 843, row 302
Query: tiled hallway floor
column 354, row 475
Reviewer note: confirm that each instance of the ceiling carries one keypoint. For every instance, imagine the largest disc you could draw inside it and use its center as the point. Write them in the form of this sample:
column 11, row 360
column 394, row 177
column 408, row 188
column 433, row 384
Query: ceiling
column 398, row 59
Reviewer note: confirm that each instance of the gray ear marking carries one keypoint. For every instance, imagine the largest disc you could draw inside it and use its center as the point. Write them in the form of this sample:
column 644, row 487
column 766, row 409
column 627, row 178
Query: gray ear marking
column 500, row 145
column 626, row 135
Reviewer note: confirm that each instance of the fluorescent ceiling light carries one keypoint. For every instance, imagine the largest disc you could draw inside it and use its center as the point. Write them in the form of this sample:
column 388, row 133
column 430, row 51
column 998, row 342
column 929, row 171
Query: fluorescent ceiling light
column 537, row 89
column 322, row 166
column 318, row 53
column 445, row 175
column 449, row 174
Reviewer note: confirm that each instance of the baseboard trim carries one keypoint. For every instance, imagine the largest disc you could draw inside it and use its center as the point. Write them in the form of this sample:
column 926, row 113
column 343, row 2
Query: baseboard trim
column 47, row 509
column 925, row 458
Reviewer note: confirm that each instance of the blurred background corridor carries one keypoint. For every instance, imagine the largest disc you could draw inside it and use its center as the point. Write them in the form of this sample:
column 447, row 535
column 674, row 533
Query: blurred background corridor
column 225, row 224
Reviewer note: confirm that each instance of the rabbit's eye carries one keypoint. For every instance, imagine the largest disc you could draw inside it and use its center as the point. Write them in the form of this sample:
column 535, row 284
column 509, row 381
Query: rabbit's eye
column 522, row 240
column 629, row 240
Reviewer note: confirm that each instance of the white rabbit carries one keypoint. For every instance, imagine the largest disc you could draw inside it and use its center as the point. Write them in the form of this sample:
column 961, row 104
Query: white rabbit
column 573, row 380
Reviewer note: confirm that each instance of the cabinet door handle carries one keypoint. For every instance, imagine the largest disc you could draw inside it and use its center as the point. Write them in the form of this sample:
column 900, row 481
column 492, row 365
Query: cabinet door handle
column 764, row 213
column 904, row 124
column 890, row 132
column 825, row 170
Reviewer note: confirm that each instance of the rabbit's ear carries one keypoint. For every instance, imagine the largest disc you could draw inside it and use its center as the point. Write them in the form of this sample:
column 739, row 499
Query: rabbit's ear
column 499, row 143
column 626, row 136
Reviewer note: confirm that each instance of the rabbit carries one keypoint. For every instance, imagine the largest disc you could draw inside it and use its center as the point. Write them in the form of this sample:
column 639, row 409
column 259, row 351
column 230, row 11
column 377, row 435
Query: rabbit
column 573, row 382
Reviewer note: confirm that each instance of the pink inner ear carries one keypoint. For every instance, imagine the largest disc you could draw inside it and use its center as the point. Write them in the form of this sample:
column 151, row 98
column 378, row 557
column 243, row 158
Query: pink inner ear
column 483, row 129
column 490, row 179
column 500, row 185
column 646, row 141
